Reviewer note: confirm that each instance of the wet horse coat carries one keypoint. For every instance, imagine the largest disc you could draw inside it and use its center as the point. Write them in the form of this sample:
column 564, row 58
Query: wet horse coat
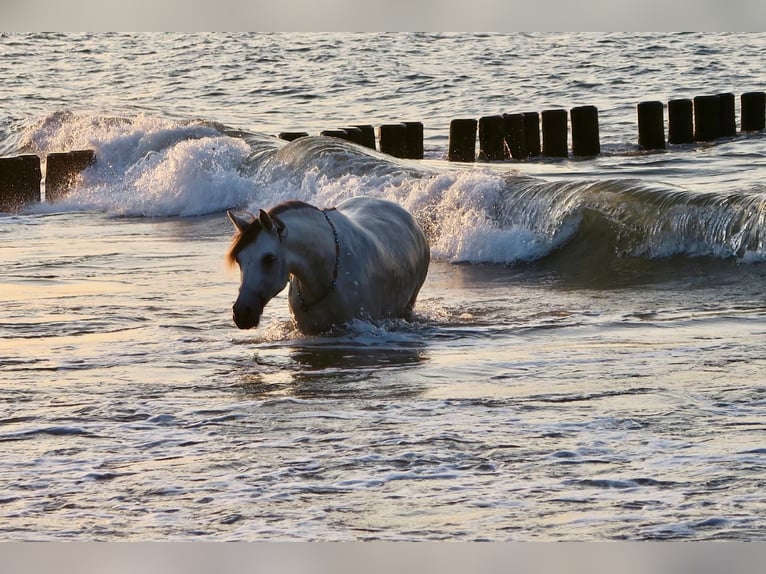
column 365, row 259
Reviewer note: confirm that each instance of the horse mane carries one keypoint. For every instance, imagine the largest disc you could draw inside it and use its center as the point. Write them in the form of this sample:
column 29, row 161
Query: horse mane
column 243, row 237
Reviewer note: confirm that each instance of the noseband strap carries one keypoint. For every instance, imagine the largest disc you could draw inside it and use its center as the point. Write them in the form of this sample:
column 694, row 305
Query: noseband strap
column 334, row 283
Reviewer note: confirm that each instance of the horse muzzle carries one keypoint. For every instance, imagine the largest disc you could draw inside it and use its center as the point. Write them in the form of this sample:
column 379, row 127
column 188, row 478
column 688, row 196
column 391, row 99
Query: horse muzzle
column 247, row 316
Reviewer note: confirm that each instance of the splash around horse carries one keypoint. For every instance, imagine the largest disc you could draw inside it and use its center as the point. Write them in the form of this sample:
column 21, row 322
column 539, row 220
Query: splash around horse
column 366, row 259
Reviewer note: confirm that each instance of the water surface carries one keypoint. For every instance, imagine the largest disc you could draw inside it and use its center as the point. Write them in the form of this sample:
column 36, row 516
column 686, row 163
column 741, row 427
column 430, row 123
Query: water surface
column 586, row 357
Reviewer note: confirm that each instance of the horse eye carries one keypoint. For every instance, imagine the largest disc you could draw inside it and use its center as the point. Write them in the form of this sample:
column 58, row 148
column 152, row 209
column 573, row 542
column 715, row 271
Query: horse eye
column 268, row 259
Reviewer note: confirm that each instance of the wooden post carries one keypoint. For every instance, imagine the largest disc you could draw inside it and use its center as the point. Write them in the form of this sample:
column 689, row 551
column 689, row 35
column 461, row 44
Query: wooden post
column 585, row 139
column 491, row 138
column 651, row 125
column 727, row 117
column 292, row 136
column 414, row 139
column 462, row 140
column 515, row 140
column 353, row 134
column 61, row 169
column 532, row 133
column 753, row 111
column 680, row 126
column 393, row 139
column 368, row 135
column 707, row 118
column 555, row 133
column 19, row 181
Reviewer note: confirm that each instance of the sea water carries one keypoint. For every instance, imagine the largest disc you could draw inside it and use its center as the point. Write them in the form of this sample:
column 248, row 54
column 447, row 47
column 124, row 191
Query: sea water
column 586, row 357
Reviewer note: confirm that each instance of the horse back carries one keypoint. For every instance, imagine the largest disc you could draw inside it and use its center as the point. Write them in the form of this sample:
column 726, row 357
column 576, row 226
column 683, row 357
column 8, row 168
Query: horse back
column 388, row 228
column 389, row 247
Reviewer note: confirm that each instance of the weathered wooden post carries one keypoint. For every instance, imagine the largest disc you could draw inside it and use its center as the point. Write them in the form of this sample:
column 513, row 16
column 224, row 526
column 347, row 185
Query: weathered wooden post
column 491, row 138
column 61, row 169
column 707, row 118
column 413, row 136
column 353, row 134
column 462, row 140
column 515, row 140
column 680, row 124
column 727, row 117
column 393, row 139
column 585, row 139
column 368, row 135
column 753, row 110
column 292, row 136
column 651, row 125
column 19, row 181
column 532, row 133
column 555, row 133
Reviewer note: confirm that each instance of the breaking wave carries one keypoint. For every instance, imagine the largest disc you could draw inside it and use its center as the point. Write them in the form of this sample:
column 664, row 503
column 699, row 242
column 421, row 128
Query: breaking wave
column 148, row 167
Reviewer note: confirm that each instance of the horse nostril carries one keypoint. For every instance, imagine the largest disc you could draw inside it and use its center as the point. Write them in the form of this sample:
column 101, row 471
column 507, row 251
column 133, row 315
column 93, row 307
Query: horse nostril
column 245, row 316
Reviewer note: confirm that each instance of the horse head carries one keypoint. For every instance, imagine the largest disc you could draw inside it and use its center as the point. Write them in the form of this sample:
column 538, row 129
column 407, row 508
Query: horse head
column 259, row 251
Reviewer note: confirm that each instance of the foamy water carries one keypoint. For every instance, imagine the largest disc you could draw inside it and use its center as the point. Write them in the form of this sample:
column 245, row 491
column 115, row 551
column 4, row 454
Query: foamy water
column 586, row 356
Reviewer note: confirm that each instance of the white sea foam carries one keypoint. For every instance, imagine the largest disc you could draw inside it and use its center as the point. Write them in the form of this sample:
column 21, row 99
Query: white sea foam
column 148, row 167
column 454, row 206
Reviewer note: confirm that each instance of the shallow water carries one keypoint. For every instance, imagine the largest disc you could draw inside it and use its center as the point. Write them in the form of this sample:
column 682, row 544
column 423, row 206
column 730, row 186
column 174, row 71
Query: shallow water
column 585, row 361
column 517, row 405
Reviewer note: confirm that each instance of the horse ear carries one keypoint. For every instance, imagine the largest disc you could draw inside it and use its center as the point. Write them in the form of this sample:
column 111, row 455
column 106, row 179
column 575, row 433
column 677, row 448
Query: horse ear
column 239, row 222
column 272, row 223
column 280, row 226
column 265, row 220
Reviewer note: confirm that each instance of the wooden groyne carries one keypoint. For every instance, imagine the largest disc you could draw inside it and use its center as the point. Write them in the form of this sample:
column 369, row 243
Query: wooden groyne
column 402, row 139
column 523, row 136
column 21, row 177
column 701, row 119
column 519, row 136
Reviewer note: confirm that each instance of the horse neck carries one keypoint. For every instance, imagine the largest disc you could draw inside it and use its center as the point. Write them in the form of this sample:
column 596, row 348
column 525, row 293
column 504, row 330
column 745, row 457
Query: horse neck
column 310, row 244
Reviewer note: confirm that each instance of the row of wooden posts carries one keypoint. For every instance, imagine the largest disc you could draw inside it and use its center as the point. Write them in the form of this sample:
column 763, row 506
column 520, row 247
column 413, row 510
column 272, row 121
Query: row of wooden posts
column 21, row 177
column 501, row 137
column 706, row 118
column 403, row 140
column 518, row 136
